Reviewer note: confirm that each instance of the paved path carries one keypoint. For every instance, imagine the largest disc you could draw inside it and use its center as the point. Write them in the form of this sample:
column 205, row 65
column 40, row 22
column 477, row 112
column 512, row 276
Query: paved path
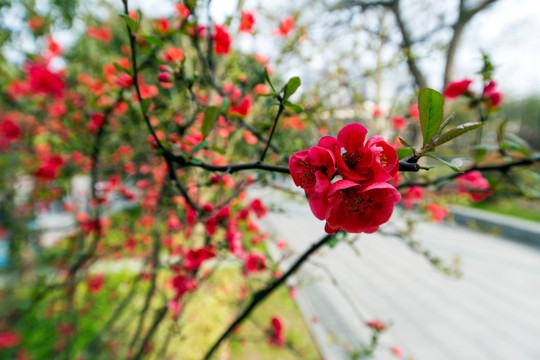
column 493, row 312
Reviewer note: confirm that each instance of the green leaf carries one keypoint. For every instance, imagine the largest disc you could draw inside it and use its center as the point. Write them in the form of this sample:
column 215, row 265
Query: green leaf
column 430, row 106
column 449, row 164
column 129, row 22
column 145, row 104
column 210, row 116
column 525, row 148
column 501, row 130
column 455, row 132
column 195, row 161
column 268, row 95
column 218, row 150
column 152, row 39
column 267, row 77
column 446, row 122
column 225, row 105
column 404, row 152
column 333, row 241
column 202, row 145
column 291, row 87
column 297, row 109
column 402, row 140
column 121, row 68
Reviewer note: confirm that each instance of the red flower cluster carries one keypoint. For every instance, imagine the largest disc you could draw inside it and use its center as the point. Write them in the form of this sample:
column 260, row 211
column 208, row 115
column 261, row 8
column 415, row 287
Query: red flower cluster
column 490, row 96
column 362, row 200
column 474, row 184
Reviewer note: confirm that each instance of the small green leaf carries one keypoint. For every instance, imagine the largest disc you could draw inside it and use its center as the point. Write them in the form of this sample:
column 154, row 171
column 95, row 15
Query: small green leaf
column 297, row 109
column 145, row 104
column 446, row 122
column 291, row 87
column 218, row 150
column 523, row 144
column 152, row 40
column 210, row 116
column 202, row 145
column 267, row 77
column 402, row 140
column 195, row 161
column 455, row 132
column 430, row 106
column 449, row 164
column 333, row 241
column 225, row 105
column 268, row 95
column 129, row 22
column 121, row 68
column 404, row 152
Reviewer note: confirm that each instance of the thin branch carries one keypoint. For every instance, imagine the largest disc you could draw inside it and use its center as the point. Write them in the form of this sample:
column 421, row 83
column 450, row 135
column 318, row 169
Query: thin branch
column 280, row 111
column 490, row 167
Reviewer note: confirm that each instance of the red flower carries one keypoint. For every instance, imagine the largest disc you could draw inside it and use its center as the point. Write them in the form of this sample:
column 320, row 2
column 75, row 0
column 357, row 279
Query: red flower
column 183, row 10
column 54, row 48
column 234, row 239
column 399, row 123
column 261, row 89
column 412, row 196
column 492, row 97
column 173, row 54
column 254, row 262
column 285, row 27
column 373, row 162
column 473, row 184
column 438, row 212
column 50, row 166
column 182, row 284
column 241, row 108
column 9, row 339
column 9, row 130
column 102, row 34
column 457, row 88
column 258, row 208
column 376, row 325
column 312, row 170
column 96, row 122
column 194, row 258
column 43, row 81
column 355, row 208
column 247, row 21
column 396, row 350
column 378, row 111
column 95, row 282
column 222, row 39
column 277, row 337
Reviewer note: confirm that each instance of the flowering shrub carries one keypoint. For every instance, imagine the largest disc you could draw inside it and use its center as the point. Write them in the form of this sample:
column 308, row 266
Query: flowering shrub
column 167, row 123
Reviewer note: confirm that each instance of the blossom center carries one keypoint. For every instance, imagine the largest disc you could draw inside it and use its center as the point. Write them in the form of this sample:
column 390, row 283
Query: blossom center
column 357, row 203
column 351, row 159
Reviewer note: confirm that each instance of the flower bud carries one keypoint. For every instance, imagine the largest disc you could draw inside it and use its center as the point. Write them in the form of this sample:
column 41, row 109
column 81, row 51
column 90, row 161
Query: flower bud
column 165, row 77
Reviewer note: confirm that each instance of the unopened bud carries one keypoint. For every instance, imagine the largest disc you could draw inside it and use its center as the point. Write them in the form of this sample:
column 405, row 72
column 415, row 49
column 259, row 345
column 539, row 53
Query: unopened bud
column 165, row 77
column 165, row 68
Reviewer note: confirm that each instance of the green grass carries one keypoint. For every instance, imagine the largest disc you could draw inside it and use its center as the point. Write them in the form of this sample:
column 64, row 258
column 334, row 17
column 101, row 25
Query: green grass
column 206, row 314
